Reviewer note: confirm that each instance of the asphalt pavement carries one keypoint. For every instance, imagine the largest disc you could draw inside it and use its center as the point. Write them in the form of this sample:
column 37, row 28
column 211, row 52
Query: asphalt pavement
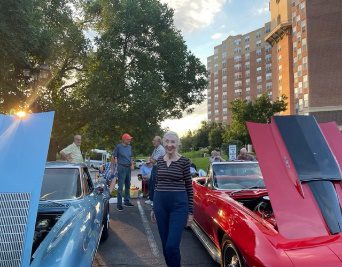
column 134, row 240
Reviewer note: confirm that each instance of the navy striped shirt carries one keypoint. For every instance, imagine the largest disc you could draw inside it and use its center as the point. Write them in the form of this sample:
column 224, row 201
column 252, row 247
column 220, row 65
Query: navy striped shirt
column 176, row 177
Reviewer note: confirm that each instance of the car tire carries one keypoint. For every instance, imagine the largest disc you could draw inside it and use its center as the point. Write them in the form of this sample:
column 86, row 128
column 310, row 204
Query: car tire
column 105, row 222
column 230, row 255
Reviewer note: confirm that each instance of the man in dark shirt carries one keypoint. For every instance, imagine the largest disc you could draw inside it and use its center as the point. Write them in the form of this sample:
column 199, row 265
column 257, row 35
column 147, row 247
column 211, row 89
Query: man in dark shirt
column 123, row 156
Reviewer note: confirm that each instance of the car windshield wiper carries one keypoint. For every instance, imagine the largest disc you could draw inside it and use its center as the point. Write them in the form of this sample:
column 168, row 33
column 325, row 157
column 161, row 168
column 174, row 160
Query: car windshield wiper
column 50, row 201
column 256, row 186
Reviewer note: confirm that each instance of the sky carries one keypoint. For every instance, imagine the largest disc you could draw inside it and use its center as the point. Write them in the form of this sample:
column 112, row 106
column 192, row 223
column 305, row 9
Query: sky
column 205, row 24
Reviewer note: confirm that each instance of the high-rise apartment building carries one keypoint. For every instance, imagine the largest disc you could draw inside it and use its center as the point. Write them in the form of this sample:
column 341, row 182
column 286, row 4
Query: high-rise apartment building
column 297, row 54
column 241, row 67
column 306, row 37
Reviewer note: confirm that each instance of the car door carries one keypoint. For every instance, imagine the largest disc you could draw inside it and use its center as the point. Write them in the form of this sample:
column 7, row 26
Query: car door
column 203, row 202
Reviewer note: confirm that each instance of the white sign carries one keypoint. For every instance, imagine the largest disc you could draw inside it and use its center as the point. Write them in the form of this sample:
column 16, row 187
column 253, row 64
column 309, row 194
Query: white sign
column 232, row 152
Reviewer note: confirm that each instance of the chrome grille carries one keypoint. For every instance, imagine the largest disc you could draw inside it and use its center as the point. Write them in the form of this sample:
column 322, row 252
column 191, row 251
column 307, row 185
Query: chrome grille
column 53, row 205
column 14, row 209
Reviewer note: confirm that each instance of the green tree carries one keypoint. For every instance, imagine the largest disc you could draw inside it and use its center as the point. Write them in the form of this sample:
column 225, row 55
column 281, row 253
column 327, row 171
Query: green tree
column 261, row 110
column 216, row 136
column 142, row 72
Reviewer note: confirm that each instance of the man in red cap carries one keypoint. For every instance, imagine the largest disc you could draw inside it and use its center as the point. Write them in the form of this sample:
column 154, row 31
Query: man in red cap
column 123, row 156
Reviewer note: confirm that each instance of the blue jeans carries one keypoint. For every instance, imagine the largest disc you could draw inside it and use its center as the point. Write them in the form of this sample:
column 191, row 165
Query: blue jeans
column 152, row 182
column 124, row 177
column 171, row 211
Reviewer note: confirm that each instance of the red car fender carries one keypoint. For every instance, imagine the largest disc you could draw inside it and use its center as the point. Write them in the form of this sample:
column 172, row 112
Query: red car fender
column 247, row 233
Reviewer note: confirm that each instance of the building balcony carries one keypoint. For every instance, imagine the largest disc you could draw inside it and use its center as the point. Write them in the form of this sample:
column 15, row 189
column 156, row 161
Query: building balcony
column 278, row 32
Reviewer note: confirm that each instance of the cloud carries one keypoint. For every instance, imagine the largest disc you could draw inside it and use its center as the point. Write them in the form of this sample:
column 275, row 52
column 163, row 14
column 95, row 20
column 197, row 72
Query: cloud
column 261, row 10
column 217, row 35
column 189, row 121
column 192, row 15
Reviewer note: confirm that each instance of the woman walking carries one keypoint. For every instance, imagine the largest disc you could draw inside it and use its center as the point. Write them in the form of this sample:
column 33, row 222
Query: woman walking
column 173, row 198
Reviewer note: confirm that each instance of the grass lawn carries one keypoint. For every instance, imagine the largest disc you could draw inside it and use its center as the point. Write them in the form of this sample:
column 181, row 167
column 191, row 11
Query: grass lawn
column 201, row 163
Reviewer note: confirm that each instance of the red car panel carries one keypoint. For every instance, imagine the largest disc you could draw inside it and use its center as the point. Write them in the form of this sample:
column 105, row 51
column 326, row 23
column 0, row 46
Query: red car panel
column 295, row 209
column 296, row 232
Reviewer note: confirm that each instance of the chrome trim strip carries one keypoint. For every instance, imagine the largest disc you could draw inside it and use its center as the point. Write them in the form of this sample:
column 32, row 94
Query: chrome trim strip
column 207, row 243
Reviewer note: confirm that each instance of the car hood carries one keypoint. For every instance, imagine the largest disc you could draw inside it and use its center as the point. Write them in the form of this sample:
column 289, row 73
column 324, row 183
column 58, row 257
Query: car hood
column 23, row 150
column 302, row 174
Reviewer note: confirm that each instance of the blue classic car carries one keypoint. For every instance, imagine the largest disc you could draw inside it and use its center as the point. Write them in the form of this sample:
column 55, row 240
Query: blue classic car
column 73, row 216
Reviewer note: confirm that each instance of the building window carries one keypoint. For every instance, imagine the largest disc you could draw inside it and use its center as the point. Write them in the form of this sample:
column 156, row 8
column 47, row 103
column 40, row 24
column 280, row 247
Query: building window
column 248, row 98
column 224, row 79
column 237, row 67
column 237, row 84
column 247, row 73
column 224, row 55
column 248, row 82
column 306, row 100
column 224, row 64
column 247, row 55
column 259, row 88
column 258, row 70
column 305, row 81
column 302, row 5
column 269, row 85
column 258, row 35
column 237, row 75
column 300, row 104
column 258, row 60
column 248, row 89
column 237, row 50
column 224, row 72
column 247, row 48
column 258, row 52
column 268, row 58
column 305, row 62
column 303, row 26
column 258, row 43
column 247, row 39
column 259, row 79
column 268, row 49
column 268, row 76
column 304, row 44
column 237, row 59
column 268, row 67
column 237, row 42
column 247, row 65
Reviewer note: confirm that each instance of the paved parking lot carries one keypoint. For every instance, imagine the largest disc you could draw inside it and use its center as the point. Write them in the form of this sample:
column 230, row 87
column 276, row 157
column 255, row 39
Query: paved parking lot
column 134, row 241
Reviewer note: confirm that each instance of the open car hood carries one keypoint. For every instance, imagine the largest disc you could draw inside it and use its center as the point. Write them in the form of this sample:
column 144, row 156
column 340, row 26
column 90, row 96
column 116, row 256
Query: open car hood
column 300, row 166
column 23, row 150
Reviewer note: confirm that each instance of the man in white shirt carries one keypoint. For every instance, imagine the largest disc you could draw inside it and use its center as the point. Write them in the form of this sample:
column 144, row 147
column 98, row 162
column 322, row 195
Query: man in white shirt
column 158, row 151
column 72, row 153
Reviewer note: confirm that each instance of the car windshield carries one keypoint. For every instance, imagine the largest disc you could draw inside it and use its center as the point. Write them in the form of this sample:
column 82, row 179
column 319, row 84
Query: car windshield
column 238, row 176
column 61, row 183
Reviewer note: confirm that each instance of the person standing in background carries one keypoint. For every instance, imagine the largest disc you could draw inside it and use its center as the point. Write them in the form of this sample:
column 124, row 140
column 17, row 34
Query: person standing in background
column 123, row 156
column 72, row 153
column 158, row 151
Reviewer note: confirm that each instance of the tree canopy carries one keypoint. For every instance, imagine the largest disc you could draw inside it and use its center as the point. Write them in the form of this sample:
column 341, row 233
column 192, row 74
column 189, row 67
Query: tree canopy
column 260, row 110
column 136, row 71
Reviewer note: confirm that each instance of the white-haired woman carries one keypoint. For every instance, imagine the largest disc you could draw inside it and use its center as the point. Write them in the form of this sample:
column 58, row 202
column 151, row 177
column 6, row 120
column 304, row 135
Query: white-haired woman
column 173, row 198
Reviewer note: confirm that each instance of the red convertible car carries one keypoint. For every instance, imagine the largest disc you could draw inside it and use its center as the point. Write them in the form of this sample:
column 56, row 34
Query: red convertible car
column 285, row 213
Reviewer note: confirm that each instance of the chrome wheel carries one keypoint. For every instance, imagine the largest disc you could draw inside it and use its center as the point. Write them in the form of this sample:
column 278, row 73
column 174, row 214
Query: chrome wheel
column 230, row 255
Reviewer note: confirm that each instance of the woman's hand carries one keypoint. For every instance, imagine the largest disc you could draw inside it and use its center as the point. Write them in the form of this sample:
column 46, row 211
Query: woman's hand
column 190, row 219
column 153, row 217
